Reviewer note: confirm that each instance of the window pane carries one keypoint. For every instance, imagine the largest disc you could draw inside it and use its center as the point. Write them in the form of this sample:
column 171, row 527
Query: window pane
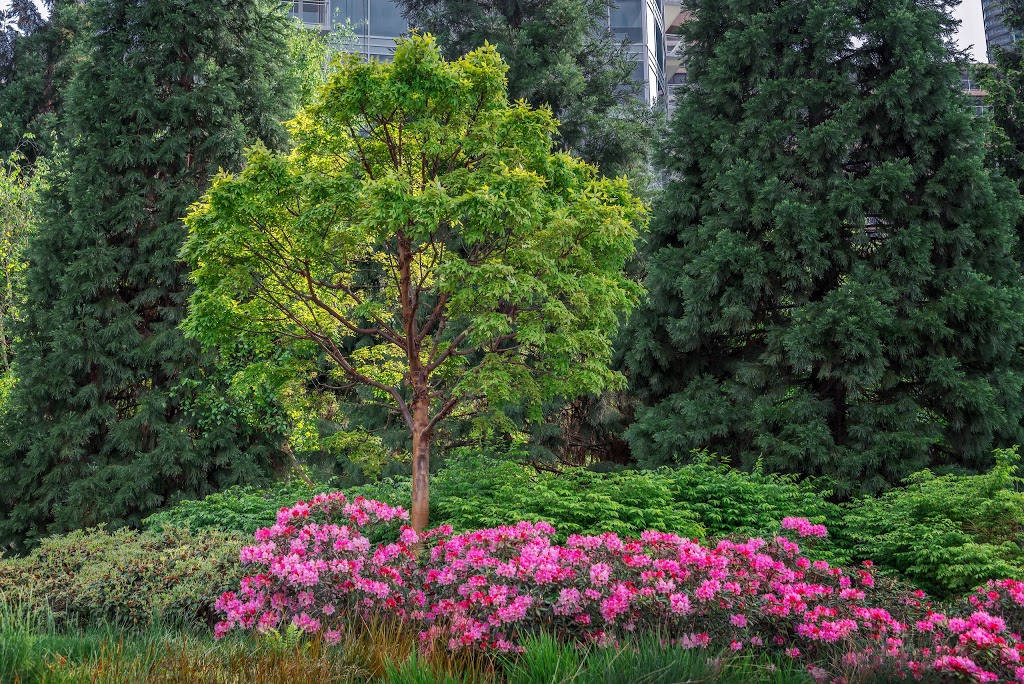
column 352, row 10
column 386, row 19
column 626, row 15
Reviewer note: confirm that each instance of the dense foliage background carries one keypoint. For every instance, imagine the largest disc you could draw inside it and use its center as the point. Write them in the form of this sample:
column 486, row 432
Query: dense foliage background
column 830, row 320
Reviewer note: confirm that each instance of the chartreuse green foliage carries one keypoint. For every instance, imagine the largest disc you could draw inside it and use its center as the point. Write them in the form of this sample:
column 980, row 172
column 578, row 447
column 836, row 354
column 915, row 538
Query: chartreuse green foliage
column 245, row 509
column 239, row 509
column 103, row 426
column 20, row 189
column 126, row 577
column 704, row 499
column 831, row 269
column 746, row 503
column 427, row 240
column 509, row 241
column 945, row 534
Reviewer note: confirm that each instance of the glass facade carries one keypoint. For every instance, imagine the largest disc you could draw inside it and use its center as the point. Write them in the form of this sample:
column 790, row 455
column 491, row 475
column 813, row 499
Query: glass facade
column 996, row 32
column 378, row 22
column 642, row 23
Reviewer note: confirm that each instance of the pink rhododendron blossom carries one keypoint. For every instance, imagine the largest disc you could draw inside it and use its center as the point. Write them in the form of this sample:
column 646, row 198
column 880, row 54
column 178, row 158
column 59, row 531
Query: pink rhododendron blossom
column 489, row 589
column 804, row 527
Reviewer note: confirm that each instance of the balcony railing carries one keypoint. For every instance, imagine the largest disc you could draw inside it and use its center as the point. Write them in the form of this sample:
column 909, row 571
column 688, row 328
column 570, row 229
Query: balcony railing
column 312, row 12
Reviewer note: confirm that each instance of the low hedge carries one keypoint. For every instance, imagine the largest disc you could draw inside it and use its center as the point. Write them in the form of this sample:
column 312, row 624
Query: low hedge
column 703, row 499
column 126, row 577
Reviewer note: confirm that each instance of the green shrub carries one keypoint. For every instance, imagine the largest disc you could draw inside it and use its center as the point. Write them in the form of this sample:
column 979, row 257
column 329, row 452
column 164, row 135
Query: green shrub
column 243, row 510
column 469, row 492
column 239, row 509
column 475, row 492
column 126, row 577
column 727, row 501
column 945, row 534
column 702, row 498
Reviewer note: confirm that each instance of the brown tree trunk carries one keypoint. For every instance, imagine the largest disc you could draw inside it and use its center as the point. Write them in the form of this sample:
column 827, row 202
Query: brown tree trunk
column 421, row 439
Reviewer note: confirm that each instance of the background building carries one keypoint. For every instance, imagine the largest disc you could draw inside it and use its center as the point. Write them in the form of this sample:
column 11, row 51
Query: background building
column 642, row 22
column 378, row 22
column 675, row 68
column 996, row 32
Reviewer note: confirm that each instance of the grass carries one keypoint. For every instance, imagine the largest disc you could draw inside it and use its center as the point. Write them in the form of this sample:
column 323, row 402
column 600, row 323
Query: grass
column 644, row 661
column 35, row 650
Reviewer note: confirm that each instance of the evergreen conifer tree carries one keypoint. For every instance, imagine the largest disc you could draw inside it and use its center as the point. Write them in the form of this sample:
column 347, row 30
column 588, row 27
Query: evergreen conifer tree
column 832, row 286
column 103, row 427
column 34, row 71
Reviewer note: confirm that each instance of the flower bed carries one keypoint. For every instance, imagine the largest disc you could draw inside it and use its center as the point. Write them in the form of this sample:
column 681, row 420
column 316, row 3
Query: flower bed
column 489, row 589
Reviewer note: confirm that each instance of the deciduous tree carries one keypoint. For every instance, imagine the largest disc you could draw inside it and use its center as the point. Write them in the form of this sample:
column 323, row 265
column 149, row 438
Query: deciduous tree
column 427, row 239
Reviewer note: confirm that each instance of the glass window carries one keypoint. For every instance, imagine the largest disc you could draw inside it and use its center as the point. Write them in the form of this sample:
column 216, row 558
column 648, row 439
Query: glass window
column 659, row 47
column 311, row 12
column 352, row 10
column 638, row 73
column 627, row 14
column 386, row 19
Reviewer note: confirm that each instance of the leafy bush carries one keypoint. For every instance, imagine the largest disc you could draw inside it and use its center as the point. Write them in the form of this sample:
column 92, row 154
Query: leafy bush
column 470, row 492
column 126, row 577
column 704, row 497
column 243, row 510
column 493, row 589
column 727, row 501
column 238, row 509
column 945, row 534
column 473, row 492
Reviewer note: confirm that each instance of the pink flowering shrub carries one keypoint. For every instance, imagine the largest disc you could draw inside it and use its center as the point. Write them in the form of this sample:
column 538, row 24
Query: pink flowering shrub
column 319, row 569
column 489, row 589
column 1002, row 598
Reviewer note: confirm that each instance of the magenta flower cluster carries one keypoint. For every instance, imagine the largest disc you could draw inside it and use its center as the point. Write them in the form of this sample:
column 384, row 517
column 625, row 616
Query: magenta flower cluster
column 490, row 588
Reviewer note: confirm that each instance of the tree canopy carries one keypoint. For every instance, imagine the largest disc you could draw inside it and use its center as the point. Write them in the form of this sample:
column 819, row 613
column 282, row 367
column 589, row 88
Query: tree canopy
column 560, row 54
column 427, row 239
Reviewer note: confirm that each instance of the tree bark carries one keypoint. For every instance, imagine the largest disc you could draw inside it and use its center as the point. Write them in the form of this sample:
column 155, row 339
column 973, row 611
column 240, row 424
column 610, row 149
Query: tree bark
column 421, row 438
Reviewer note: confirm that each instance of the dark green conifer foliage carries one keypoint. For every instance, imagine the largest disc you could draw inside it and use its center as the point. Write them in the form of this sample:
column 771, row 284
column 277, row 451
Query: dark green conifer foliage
column 102, row 430
column 35, row 65
column 830, row 267
column 560, row 54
